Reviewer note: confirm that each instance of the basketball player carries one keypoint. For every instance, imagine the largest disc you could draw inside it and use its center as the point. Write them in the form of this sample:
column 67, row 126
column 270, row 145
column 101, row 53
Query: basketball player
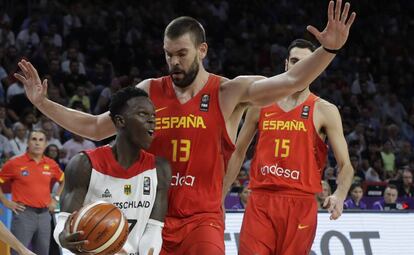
column 197, row 118
column 286, row 168
column 122, row 174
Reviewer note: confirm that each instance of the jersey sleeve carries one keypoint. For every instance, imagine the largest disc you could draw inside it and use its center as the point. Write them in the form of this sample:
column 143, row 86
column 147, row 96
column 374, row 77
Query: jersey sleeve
column 7, row 173
column 57, row 172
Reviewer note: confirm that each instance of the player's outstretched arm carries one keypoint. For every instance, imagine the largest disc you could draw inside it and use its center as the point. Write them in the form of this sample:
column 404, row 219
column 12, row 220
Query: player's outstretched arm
column 77, row 177
column 7, row 237
column 151, row 240
column 266, row 91
column 84, row 124
column 333, row 127
column 243, row 141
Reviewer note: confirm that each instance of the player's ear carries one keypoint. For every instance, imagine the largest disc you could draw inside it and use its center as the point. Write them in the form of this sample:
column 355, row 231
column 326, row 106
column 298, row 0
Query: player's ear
column 202, row 50
column 119, row 121
column 286, row 64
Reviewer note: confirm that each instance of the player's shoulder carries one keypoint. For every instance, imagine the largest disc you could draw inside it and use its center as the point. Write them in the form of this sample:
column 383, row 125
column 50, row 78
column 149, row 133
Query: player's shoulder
column 81, row 160
column 146, row 84
column 241, row 80
column 324, row 106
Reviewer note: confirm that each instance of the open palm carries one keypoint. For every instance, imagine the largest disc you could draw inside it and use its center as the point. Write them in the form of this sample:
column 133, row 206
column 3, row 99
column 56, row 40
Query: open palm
column 336, row 31
column 35, row 90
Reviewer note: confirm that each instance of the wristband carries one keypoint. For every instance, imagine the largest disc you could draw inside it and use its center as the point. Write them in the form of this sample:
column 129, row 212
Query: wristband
column 331, row 51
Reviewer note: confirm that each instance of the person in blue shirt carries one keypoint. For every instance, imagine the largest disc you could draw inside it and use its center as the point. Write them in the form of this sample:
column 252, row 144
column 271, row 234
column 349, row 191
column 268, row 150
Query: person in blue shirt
column 355, row 201
column 244, row 193
column 389, row 202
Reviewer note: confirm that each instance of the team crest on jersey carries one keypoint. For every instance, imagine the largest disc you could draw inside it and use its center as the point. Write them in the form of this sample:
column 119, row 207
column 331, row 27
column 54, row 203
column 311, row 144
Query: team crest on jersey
column 106, row 194
column 305, row 112
column 147, row 185
column 25, row 172
column 127, row 189
column 205, row 101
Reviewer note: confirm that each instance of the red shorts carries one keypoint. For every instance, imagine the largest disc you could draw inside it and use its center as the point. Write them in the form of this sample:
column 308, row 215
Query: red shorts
column 275, row 223
column 199, row 234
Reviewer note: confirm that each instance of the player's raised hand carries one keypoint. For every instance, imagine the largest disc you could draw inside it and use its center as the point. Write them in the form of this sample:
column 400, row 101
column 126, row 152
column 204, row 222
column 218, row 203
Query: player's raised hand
column 35, row 89
column 336, row 31
column 334, row 205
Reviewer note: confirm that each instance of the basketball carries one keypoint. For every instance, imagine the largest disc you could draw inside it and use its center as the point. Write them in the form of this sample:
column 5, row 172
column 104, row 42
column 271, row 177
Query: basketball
column 103, row 225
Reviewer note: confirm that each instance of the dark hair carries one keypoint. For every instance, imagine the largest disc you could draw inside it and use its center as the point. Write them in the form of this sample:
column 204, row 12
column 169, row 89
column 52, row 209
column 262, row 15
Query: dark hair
column 48, row 149
column 36, row 131
column 355, row 185
column 183, row 25
column 392, row 186
column 301, row 43
column 121, row 97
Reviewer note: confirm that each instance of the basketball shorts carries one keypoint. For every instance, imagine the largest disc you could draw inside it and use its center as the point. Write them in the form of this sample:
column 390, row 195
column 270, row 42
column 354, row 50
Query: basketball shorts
column 201, row 234
column 278, row 224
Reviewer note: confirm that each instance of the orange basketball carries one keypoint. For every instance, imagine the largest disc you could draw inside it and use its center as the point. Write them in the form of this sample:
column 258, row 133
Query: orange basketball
column 103, row 225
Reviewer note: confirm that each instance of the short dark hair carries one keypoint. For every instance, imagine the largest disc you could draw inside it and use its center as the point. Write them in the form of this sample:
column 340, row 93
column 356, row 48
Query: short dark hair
column 121, row 97
column 36, row 131
column 183, row 25
column 301, row 43
column 355, row 185
column 392, row 186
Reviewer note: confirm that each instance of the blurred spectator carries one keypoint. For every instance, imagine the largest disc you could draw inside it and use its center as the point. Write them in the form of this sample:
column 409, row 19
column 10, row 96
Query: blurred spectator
column 28, row 37
column 5, row 123
column 388, row 159
column 407, row 129
column 244, row 193
column 359, row 175
column 105, row 96
column 18, row 104
column 53, row 152
column 375, row 172
column 402, row 158
column 5, row 149
column 48, row 127
column 330, row 178
column 326, row 192
column 389, row 202
column 394, row 110
column 364, row 84
column 405, row 186
column 73, row 79
column 15, row 89
column 243, row 176
column 75, row 145
column 73, row 56
column 28, row 118
column 19, row 142
column 354, row 202
column 81, row 97
column 7, row 36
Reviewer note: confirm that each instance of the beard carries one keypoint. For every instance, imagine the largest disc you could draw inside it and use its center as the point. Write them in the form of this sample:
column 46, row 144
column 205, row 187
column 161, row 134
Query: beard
column 188, row 77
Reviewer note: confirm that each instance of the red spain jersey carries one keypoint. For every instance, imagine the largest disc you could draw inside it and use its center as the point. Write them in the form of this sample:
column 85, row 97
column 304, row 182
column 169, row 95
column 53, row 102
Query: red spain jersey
column 289, row 154
column 193, row 137
column 31, row 180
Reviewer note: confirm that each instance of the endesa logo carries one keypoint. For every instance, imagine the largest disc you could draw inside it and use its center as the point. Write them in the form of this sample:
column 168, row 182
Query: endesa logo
column 280, row 171
column 185, row 180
